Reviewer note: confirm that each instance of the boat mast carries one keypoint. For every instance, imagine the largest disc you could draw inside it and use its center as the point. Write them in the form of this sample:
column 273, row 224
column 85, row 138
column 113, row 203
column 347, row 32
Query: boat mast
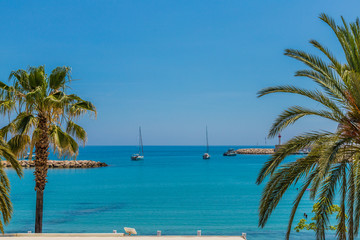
column 207, row 141
column 141, row 149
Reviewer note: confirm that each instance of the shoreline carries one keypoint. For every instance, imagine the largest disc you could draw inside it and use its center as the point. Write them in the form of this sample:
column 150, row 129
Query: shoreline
column 60, row 164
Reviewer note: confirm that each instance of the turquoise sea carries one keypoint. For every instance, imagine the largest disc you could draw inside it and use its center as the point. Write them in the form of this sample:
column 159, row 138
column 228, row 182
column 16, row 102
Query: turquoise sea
column 173, row 190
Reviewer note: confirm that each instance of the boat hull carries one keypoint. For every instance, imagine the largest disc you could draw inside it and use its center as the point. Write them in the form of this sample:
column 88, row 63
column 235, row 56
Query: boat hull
column 137, row 158
column 229, row 154
column 206, row 156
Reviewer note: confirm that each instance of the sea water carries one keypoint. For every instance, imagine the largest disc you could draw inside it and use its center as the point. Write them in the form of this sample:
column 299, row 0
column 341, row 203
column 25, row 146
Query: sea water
column 173, row 190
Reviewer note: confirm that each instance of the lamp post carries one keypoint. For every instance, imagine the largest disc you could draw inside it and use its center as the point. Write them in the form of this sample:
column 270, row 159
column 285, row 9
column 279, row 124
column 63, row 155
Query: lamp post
column 279, row 139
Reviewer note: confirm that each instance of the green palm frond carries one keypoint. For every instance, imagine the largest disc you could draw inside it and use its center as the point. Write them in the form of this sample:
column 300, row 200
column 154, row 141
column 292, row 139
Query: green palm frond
column 280, row 181
column 76, row 131
column 336, row 65
column 292, row 146
column 332, row 86
column 63, row 142
column 335, row 168
column 21, row 78
column 292, row 114
column 8, row 155
column 9, row 128
column 5, row 203
column 81, row 108
column 25, row 122
column 314, row 95
column 330, row 154
column 6, row 106
column 37, row 77
column 18, row 144
column 314, row 62
column 58, row 77
column 356, row 181
column 351, row 200
column 298, row 200
column 341, row 229
column 326, row 198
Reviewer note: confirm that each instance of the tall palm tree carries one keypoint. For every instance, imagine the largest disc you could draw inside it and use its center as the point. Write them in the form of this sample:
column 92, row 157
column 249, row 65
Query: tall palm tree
column 332, row 168
column 45, row 118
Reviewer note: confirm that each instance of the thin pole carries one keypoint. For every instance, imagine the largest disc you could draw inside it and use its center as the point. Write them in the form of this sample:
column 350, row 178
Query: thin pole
column 141, row 142
column 207, row 141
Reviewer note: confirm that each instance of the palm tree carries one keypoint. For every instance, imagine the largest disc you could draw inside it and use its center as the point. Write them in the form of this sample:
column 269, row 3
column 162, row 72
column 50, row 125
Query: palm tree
column 332, row 168
column 42, row 109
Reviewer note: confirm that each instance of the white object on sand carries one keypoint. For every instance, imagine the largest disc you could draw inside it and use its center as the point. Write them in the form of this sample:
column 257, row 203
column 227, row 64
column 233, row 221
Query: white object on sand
column 130, row 230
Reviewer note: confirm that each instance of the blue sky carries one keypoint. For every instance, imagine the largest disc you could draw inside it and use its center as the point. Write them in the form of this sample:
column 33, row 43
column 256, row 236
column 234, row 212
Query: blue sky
column 173, row 67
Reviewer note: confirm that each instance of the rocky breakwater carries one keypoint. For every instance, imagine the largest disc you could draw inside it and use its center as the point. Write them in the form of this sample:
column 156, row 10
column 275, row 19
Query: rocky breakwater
column 60, row 164
column 255, row 151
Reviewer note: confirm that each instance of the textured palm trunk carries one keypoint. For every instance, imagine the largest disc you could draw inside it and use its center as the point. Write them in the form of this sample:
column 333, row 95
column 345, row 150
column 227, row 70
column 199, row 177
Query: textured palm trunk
column 41, row 158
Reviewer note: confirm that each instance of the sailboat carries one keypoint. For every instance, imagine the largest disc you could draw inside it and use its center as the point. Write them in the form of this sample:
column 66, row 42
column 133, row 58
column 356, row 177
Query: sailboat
column 207, row 155
column 140, row 155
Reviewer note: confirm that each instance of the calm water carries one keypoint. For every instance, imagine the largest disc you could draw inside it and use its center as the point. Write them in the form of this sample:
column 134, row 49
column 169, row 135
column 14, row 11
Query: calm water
column 173, row 190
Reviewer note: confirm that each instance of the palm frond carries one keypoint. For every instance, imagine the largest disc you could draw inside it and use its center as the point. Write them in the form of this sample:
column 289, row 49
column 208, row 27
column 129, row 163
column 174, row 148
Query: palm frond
column 5, row 203
column 18, row 144
column 9, row 156
column 341, row 228
column 81, row 108
column 287, row 175
column 326, row 198
column 351, row 200
column 58, row 77
column 314, row 95
column 335, row 63
column 76, row 131
column 292, row 146
column 294, row 113
column 298, row 200
column 37, row 77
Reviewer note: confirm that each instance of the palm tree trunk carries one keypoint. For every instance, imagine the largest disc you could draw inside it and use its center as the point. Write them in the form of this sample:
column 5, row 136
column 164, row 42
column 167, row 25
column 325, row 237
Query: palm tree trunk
column 41, row 158
column 39, row 211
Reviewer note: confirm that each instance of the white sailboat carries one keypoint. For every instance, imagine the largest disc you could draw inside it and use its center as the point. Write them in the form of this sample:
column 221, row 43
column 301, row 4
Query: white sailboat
column 140, row 155
column 206, row 155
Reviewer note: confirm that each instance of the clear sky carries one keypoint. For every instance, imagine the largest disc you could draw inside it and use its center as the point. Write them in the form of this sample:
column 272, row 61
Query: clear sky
column 172, row 67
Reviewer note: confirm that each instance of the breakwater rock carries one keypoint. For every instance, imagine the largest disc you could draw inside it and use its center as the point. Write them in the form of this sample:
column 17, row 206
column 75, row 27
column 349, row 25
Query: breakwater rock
column 60, row 164
column 255, row 151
